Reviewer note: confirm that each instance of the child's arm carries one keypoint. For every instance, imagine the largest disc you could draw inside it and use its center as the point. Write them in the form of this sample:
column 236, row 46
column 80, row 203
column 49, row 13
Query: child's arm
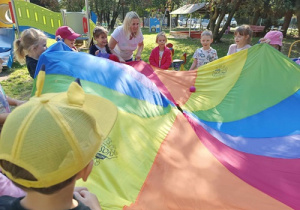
column 168, row 60
column 14, row 102
column 193, row 66
column 215, row 55
column 152, row 59
column 92, row 50
column 88, row 199
column 231, row 50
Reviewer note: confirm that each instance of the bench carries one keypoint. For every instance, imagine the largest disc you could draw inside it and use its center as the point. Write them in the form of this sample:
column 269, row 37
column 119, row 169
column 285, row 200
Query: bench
column 257, row 29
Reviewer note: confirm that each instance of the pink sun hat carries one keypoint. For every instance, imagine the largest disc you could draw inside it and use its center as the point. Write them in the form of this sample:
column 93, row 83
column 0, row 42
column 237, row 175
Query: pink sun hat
column 65, row 32
column 275, row 37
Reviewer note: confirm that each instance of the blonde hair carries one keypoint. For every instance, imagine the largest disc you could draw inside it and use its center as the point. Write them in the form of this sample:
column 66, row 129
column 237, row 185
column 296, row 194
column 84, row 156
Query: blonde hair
column 161, row 34
column 29, row 39
column 207, row 33
column 127, row 23
column 244, row 30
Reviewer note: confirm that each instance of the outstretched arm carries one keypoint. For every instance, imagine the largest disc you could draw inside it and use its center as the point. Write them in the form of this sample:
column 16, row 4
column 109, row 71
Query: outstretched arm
column 140, row 48
column 193, row 66
column 14, row 102
column 112, row 44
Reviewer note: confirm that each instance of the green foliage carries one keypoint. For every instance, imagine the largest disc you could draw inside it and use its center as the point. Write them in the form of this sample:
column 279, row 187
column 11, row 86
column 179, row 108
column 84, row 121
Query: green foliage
column 72, row 5
column 52, row 5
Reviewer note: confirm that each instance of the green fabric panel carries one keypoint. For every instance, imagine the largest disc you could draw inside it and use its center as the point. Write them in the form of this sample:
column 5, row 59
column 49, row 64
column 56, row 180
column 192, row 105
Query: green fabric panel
column 267, row 78
column 60, row 83
column 32, row 15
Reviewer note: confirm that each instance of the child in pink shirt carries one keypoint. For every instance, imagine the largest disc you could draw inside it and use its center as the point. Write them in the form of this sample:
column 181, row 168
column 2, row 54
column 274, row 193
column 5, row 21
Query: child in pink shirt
column 161, row 55
column 242, row 38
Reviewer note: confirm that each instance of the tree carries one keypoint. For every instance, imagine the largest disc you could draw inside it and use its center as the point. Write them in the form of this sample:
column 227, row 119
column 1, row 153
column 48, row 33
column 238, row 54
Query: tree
column 107, row 11
column 269, row 10
column 72, row 5
column 52, row 5
column 218, row 9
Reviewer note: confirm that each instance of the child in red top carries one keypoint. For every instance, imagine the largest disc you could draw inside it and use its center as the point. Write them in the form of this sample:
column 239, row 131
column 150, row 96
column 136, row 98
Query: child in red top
column 161, row 55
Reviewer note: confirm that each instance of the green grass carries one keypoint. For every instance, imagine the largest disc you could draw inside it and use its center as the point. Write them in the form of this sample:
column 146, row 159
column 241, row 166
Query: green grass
column 19, row 83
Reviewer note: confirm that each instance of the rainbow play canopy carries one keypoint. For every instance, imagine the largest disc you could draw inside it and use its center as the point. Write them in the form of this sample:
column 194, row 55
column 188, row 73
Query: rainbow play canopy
column 234, row 146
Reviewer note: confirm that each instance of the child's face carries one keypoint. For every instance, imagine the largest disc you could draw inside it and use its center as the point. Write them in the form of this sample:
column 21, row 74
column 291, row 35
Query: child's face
column 41, row 47
column 161, row 40
column 240, row 40
column 206, row 41
column 134, row 25
column 70, row 43
column 101, row 40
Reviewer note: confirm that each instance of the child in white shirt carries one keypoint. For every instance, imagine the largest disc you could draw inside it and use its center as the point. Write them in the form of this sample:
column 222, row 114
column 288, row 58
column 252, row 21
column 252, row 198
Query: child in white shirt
column 206, row 53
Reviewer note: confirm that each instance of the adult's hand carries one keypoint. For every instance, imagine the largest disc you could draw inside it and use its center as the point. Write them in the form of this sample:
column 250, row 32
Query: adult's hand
column 139, row 51
column 138, row 57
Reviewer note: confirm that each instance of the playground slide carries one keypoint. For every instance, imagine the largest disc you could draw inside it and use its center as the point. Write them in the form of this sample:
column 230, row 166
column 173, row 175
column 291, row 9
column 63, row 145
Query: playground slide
column 7, row 34
column 33, row 16
column 5, row 19
column 7, row 37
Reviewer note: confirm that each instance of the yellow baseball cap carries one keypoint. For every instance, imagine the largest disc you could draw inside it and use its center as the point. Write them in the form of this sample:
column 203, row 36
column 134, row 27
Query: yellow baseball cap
column 55, row 135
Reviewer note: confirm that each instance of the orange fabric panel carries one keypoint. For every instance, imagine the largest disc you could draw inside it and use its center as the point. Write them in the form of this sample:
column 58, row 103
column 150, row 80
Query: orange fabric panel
column 178, row 83
column 185, row 174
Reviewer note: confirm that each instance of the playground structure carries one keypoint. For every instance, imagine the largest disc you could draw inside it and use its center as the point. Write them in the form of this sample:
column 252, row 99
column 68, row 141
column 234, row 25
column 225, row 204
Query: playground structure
column 188, row 9
column 20, row 15
column 6, row 35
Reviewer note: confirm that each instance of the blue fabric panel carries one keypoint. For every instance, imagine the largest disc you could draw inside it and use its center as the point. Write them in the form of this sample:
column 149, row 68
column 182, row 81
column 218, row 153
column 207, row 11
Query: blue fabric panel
column 60, row 59
column 283, row 119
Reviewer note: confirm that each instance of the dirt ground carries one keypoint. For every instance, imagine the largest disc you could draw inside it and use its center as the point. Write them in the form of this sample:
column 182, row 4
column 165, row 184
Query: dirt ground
column 4, row 74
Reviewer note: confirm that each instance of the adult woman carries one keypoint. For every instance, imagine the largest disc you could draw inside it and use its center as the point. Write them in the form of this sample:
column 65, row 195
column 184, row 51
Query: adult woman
column 127, row 38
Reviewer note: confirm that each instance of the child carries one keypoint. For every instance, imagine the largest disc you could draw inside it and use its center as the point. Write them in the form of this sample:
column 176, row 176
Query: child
column 101, row 49
column 5, row 103
column 242, row 38
column 273, row 38
column 49, row 142
column 100, row 36
column 161, row 55
column 68, row 36
column 205, row 54
column 28, row 48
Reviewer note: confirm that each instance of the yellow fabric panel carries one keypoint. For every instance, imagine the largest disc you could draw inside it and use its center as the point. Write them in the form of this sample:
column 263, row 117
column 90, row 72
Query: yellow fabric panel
column 129, row 153
column 215, row 80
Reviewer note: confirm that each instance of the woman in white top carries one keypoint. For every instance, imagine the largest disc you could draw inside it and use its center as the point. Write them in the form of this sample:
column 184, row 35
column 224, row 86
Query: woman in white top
column 127, row 38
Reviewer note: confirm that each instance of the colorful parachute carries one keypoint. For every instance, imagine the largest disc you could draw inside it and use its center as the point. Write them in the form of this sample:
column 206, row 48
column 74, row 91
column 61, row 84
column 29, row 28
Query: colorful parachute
column 235, row 145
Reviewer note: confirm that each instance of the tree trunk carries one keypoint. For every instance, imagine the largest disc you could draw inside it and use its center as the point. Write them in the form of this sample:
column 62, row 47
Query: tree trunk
column 287, row 19
column 298, row 23
column 255, row 18
column 217, row 34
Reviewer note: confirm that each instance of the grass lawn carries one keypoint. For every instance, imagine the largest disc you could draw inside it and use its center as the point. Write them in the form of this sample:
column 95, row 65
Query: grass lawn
column 18, row 83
